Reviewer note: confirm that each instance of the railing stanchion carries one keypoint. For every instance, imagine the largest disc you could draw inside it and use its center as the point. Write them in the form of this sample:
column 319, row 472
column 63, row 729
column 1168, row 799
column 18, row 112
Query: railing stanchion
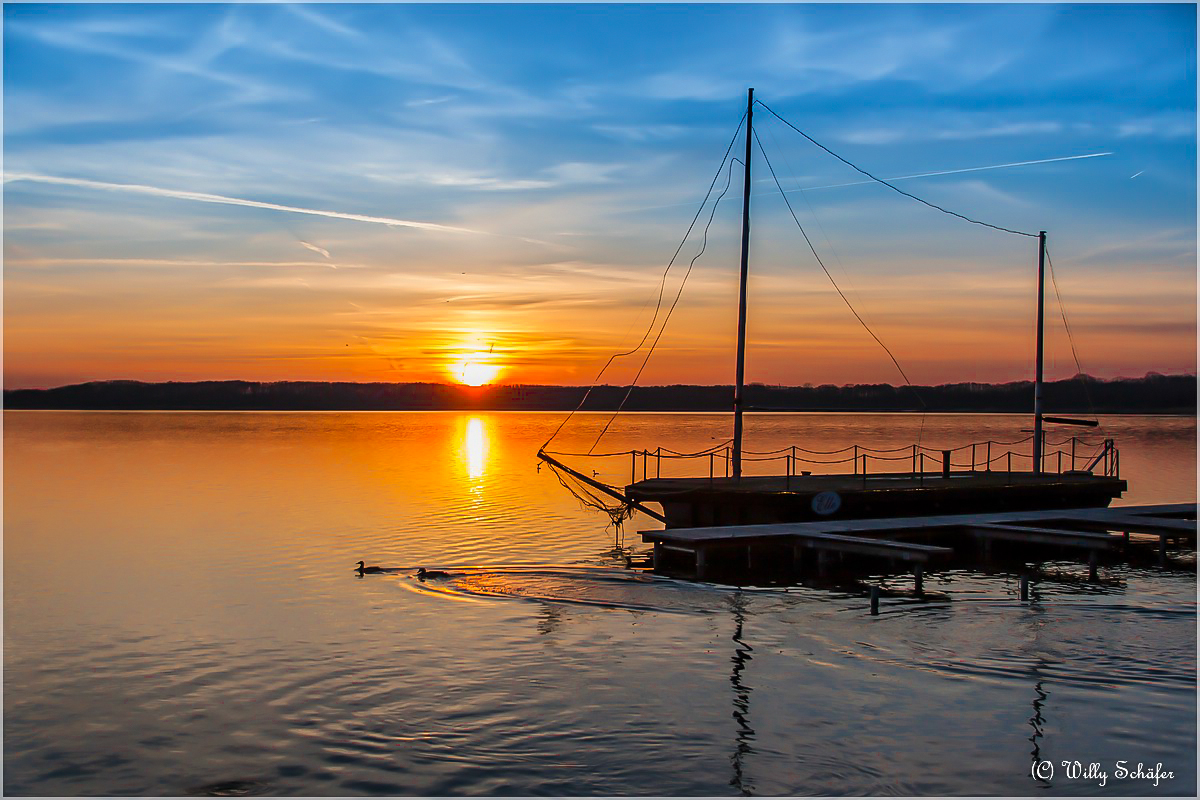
column 914, row 460
column 633, row 466
column 658, row 463
column 972, row 456
column 989, row 455
column 856, row 459
column 1072, row 453
column 711, row 457
column 1060, row 462
column 726, row 462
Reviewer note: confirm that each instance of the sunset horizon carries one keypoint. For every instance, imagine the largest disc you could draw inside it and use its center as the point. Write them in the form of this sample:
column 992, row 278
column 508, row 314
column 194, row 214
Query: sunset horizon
column 385, row 193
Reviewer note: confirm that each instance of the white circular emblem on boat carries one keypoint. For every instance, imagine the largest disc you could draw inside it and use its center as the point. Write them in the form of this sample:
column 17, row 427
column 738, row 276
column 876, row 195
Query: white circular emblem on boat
column 826, row 503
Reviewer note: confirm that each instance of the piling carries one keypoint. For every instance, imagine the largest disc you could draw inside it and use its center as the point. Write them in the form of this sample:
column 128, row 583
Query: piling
column 875, row 601
column 1024, row 588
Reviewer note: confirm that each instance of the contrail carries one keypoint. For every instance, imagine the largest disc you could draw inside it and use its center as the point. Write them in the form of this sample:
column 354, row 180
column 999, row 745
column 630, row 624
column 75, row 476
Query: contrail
column 203, row 197
column 1134, row 175
column 918, row 175
column 957, row 171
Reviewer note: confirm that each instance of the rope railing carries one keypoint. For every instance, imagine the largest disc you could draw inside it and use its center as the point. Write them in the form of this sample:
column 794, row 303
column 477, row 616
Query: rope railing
column 1070, row 454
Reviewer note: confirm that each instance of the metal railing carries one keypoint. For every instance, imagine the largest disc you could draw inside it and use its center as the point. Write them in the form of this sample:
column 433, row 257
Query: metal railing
column 1068, row 455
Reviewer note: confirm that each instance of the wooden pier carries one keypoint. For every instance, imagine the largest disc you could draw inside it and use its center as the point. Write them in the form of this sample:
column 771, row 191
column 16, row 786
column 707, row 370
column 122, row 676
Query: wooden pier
column 916, row 541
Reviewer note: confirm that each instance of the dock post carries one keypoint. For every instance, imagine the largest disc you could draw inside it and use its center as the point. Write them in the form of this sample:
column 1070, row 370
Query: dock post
column 711, row 456
column 1024, row 584
column 788, row 460
column 1073, row 453
column 1092, row 561
column 727, row 462
column 1060, row 462
column 1162, row 551
column 946, row 463
column 874, row 601
column 633, row 466
column 864, row 469
column 972, row 457
column 645, row 457
column 855, row 459
column 919, row 575
column 914, row 461
column 658, row 463
column 989, row 455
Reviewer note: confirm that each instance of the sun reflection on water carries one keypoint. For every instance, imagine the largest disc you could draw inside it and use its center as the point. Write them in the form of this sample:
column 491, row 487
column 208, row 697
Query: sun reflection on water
column 476, row 447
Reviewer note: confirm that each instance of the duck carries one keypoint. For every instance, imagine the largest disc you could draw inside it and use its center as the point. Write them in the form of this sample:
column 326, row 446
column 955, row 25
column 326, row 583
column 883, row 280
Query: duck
column 423, row 573
column 368, row 570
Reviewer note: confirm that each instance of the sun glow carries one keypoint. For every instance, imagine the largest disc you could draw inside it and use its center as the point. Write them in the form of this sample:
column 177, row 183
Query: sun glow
column 476, row 373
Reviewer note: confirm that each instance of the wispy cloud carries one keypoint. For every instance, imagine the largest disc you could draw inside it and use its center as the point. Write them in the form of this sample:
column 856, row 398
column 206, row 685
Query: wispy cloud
column 314, row 248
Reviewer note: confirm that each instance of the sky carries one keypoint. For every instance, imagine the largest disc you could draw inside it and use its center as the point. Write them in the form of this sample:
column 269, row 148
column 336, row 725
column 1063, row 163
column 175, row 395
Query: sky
column 459, row 193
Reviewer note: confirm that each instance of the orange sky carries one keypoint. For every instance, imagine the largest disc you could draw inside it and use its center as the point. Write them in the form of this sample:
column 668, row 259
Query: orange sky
column 400, row 205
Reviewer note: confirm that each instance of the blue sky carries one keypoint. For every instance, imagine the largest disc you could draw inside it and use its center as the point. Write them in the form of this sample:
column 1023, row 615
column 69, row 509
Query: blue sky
column 506, row 183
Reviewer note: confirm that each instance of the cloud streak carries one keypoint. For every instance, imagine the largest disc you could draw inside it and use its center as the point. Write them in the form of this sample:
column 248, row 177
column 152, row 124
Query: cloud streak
column 203, row 197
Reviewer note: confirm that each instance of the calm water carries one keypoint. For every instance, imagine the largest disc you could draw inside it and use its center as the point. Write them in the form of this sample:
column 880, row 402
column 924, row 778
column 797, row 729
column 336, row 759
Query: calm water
column 180, row 613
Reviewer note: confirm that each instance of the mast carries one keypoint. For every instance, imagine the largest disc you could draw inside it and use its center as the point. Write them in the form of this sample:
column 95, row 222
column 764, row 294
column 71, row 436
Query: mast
column 1037, row 380
column 741, row 343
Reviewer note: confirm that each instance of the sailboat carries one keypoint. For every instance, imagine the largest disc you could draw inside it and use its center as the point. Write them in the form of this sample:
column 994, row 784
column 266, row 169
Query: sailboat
column 989, row 485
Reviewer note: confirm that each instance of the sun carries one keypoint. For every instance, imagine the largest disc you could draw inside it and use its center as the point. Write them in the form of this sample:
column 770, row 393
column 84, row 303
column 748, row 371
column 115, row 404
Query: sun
column 476, row 373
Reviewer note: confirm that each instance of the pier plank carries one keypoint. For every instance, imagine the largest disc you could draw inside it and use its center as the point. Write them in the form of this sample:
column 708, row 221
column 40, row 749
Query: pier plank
column 1032, row 535
column 892, row 525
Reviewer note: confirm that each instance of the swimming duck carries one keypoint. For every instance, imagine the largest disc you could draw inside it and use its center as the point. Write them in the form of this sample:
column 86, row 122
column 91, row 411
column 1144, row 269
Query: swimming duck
column 423, row 573
column 368, row 570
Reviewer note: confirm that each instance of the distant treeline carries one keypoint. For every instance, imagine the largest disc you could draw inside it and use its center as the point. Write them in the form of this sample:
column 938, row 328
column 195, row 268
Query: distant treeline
column 1152, row 394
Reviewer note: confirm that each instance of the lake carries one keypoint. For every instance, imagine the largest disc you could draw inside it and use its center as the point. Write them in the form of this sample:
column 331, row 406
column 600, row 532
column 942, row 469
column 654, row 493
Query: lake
column 181, row 616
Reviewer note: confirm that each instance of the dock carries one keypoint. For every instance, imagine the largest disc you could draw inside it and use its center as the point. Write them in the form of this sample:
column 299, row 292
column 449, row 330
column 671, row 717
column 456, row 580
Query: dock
column 916, row 542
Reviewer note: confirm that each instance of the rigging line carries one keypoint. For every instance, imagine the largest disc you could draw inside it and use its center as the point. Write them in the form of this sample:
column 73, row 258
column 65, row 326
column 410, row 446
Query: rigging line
column 836, row 257
column 841, row 294
column 661, row 286
column 890, row 186
column 678, row 294
column 832, row 249
column 1075, row 355
column 845, row 273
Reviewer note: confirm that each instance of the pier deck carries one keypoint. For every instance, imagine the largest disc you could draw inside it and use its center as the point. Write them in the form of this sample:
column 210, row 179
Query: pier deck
column 884, row 537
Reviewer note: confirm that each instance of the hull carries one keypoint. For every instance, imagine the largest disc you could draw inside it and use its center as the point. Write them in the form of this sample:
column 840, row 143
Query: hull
column 703, row 502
